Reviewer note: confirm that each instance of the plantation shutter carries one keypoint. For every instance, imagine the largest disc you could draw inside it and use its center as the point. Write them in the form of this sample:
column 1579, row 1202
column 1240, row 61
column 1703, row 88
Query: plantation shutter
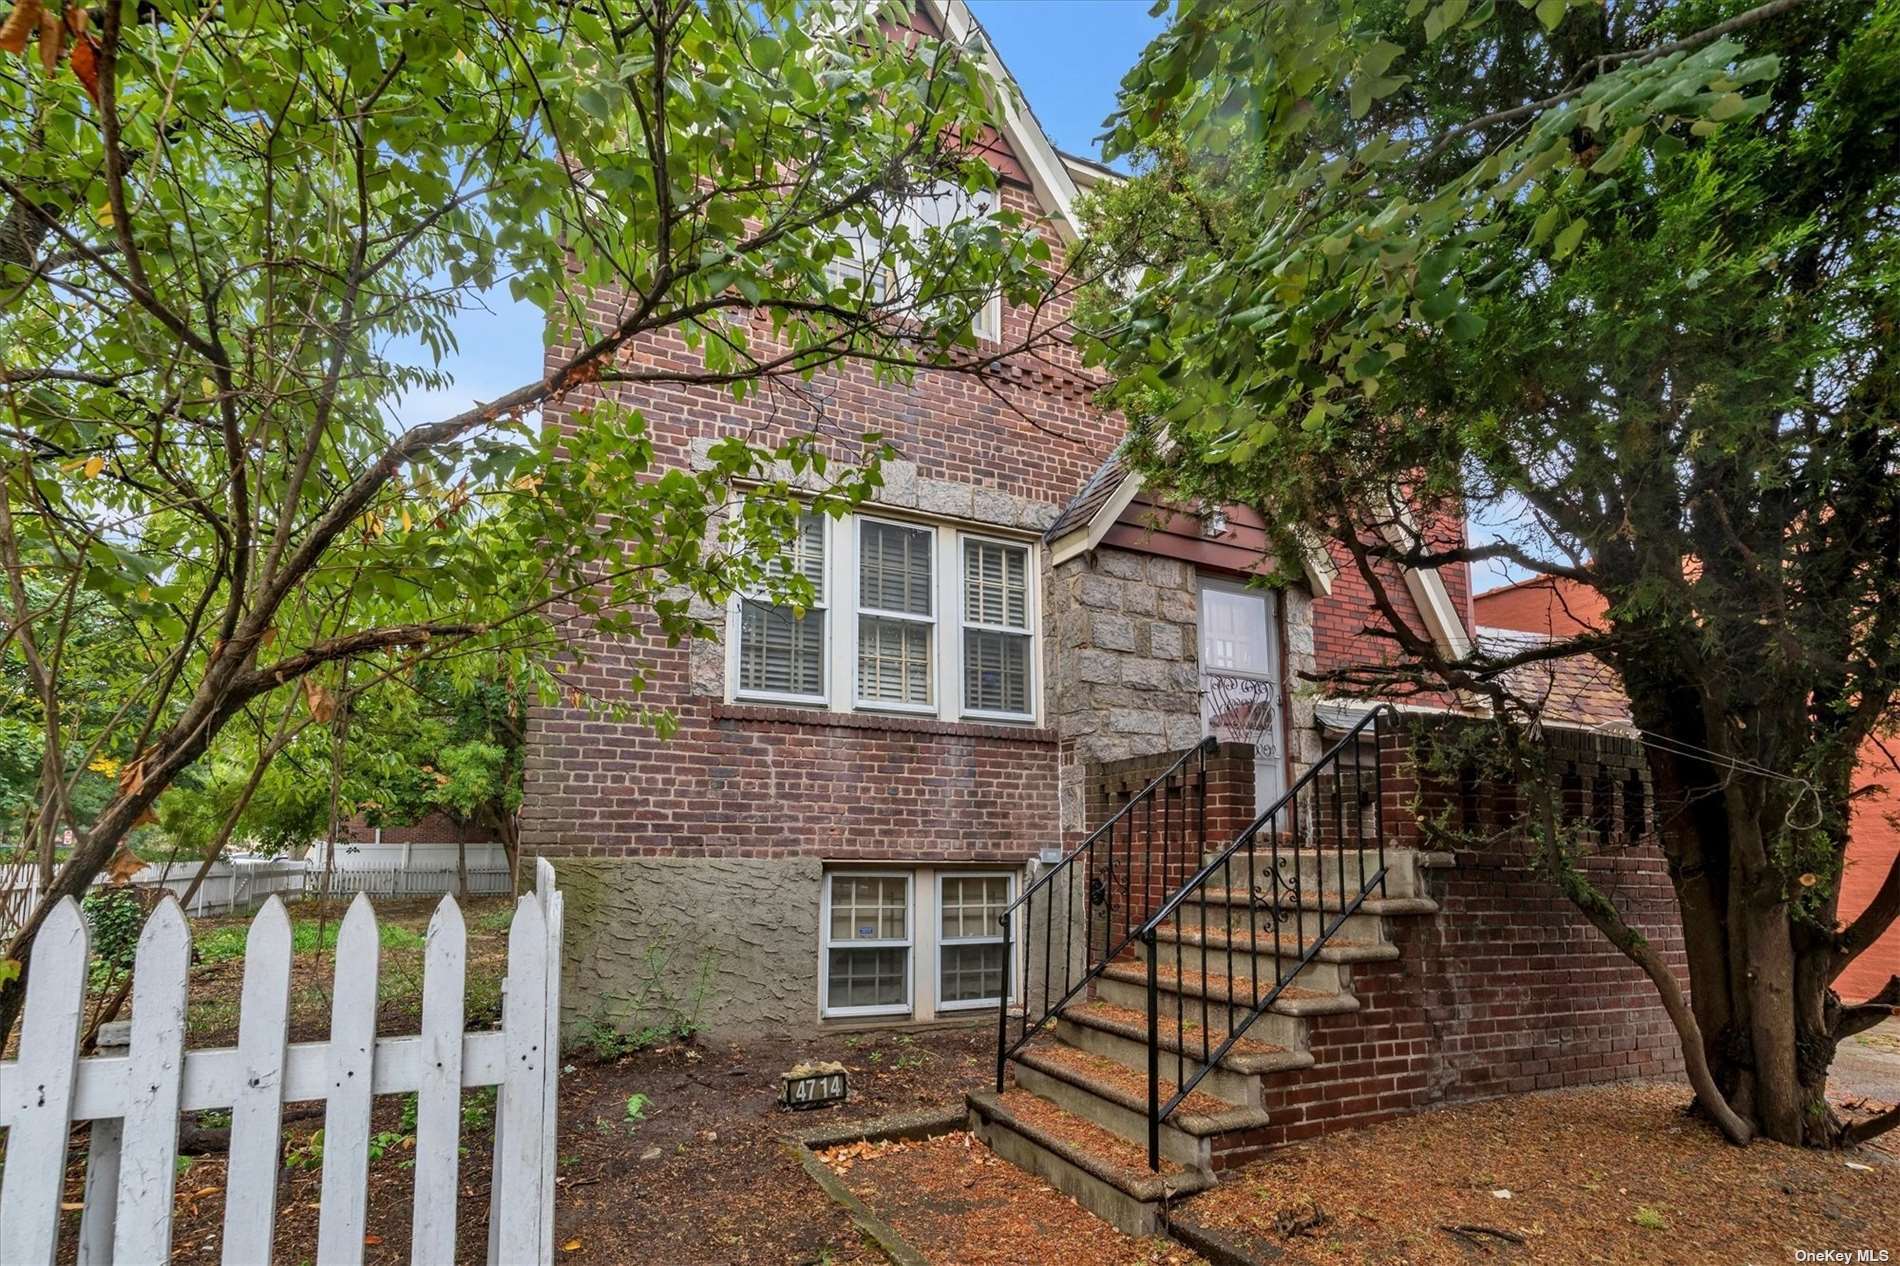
column 782, row 650
column 996, row 633
column 895, row 586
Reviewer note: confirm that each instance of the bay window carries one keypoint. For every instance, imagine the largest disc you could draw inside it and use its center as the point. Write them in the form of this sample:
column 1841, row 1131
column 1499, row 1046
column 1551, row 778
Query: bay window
column 907, row 616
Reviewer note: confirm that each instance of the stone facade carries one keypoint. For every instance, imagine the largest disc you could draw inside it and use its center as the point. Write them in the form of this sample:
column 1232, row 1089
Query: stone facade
column 694, row 943
column 1122, row 666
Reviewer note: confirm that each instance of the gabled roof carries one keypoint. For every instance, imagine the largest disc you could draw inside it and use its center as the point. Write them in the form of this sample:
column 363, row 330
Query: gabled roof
column 1049, row 175
column 1099, row 504
column 1081, row 509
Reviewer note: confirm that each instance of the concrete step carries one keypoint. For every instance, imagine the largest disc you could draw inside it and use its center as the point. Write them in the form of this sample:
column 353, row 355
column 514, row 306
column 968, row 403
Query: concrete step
column 1223, row 908
column 1107, row 1174
column 1244, row 956
column 1121, row 1034
column 1405, row 869
column 1125, row 984
column 1115, row 1097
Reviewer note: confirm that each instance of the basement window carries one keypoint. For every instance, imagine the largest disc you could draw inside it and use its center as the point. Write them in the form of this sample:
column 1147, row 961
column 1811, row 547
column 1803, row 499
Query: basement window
column 867, row 943
column 913, row 941
column 970, row 951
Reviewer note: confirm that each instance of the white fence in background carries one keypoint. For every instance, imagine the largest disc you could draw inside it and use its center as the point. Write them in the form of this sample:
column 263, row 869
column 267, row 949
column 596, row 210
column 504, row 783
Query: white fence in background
column 134, row 1100
column 241, row 884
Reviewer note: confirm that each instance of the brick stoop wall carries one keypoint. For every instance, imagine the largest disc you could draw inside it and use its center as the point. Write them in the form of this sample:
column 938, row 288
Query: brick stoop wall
column 1507, row 989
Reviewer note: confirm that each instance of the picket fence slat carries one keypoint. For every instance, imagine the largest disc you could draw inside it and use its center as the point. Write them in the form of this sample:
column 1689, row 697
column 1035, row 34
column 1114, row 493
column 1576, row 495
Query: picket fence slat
column 518, row 1115
column 551, row 902
column 250, row 1198
column 41, row 1108
column 439, row 1088
column 160, row 974
column 103, row 1161
column 134, row 1099
column 346, row 1119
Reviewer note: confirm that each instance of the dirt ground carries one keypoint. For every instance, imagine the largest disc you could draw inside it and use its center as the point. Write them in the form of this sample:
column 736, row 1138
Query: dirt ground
column 217, row 972
column 959, row 1204
column 1603, row 1175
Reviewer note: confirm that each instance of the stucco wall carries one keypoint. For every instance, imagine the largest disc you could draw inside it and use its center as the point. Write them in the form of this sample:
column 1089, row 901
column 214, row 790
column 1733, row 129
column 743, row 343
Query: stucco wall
column 729, row 944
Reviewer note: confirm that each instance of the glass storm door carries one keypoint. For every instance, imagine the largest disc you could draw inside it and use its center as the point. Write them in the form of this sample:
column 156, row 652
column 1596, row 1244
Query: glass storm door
column 1240, row 678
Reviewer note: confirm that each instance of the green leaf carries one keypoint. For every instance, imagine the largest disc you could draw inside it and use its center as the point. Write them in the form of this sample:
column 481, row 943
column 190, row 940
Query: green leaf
column 1726, row 106
column 1567, row 240
column 1545, row 225
column 1551, row 12
column 1443, row 17
column 1465, row 326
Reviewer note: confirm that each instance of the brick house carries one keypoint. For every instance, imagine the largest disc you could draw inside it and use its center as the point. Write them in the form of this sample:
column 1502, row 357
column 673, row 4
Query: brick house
column 1015, row 650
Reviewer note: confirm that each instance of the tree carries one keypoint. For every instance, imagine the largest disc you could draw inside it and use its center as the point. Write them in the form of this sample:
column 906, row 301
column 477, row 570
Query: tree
column 436, row 744
column 236, row 234
column 1622, row 276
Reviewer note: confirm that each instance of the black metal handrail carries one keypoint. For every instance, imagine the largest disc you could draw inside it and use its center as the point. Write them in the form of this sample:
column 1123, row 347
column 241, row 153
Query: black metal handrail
column 1281, row 821
column 1093, row 866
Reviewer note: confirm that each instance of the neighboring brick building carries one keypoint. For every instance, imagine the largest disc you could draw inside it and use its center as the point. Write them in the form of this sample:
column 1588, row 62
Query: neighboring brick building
column 848, row 804
column 1548, row 606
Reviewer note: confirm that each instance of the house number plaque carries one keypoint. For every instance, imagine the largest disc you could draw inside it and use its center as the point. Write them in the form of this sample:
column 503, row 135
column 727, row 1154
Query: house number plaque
column 814, row 1086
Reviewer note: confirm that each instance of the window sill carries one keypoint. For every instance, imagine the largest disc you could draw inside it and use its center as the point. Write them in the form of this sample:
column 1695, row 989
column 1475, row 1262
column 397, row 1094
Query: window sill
column 771, row 714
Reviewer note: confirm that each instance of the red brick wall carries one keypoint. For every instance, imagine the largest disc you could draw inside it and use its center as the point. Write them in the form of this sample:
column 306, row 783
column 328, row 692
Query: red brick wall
column 1341, row 618
column 748, row 781
column 1873, row 845
column 1561, row 608
column 1507, row 988
column 1162, row 843
column 1548, row 604
column 435, row 828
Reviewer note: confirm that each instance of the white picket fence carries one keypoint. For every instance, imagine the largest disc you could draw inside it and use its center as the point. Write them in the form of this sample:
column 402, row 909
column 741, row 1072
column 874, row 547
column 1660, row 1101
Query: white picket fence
column 134, row 1100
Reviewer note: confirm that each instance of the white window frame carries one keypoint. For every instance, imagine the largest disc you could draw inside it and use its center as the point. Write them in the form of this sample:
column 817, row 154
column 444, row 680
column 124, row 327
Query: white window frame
column 933, row 655
column 1029, row 630
column 1270, row 777
column 987, row 325
column 908, row 944
column 735, row 616
column 839, row 599
column 851, row 267
column 940, row 942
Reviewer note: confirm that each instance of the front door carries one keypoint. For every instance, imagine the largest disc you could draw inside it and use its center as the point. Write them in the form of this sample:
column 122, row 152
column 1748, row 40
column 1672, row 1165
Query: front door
column 1240, row 678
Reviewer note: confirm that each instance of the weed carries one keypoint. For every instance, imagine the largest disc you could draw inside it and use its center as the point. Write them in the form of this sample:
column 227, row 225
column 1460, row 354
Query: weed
column 381, row 1142
column 214, row 1119
column 309, row 1155
column 1649, row 1219
column 219, row 945
column 637, row 1108
column 498, row 920
column 478, row 1108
